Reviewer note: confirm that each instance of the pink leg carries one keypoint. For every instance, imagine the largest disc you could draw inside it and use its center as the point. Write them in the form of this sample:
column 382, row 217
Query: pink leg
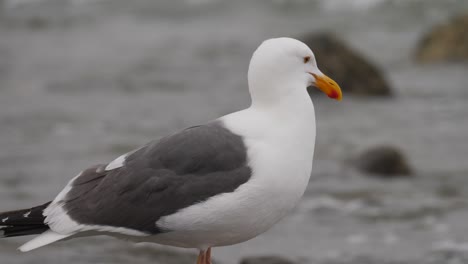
column 201, row 257
column 208, row 256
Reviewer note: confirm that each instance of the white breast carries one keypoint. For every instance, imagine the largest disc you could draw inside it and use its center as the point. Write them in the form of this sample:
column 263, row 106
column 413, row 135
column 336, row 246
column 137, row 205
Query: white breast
column 280, row 154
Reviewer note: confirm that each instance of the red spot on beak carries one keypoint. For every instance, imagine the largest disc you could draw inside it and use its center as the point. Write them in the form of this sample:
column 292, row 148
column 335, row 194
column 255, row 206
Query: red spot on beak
column 333, row 94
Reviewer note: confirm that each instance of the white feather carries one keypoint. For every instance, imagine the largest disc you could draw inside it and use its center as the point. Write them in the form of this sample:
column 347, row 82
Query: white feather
column 42, row 240
column 117, row 163
column 56, row 217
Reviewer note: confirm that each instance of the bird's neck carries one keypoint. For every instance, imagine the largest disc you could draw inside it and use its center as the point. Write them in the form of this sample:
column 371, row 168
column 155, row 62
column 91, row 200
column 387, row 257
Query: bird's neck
column 291, row 99
column 289, row 114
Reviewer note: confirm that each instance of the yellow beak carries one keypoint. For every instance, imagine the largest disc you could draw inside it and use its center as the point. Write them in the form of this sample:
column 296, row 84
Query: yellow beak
column 328, row 86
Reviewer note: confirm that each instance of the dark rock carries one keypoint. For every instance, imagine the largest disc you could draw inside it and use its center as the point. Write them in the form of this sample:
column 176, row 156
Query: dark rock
column 266, row 260
column 354, row 73
column 383, row 160
column 446, row 42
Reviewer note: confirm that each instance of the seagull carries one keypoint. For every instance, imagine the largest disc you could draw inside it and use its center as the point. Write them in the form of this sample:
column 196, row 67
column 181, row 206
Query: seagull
column 216, row 184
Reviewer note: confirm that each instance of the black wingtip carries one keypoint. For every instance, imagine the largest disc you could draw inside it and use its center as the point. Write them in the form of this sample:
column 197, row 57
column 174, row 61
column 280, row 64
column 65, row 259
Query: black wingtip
column 23, row 222
column 14, row 231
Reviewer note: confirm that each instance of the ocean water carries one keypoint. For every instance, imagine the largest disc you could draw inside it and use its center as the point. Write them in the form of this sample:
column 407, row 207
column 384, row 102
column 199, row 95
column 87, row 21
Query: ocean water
column 82, row 82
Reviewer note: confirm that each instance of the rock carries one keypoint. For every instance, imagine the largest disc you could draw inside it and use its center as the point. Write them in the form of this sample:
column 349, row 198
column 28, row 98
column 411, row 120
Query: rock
column 354, row 73
column 383, row 160
column 265, row 260
column 446, row 42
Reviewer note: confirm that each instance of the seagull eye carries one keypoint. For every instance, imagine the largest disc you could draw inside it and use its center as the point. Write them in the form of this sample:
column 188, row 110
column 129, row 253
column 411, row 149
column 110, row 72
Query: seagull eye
column 306, row 59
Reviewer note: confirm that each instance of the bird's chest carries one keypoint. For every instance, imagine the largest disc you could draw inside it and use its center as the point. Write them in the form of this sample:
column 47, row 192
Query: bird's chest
column 282, row 173
column 280, row 151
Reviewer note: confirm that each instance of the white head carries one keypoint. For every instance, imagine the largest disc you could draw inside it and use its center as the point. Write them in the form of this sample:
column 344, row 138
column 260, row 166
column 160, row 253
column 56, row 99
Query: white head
column 284, row 67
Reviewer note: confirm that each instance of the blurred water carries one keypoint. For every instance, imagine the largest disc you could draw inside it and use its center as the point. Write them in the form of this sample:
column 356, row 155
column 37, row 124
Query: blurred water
column 84, row 81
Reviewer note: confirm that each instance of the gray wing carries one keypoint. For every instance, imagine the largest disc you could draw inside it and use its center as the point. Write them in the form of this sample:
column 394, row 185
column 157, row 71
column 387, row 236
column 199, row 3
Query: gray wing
column 159, row 179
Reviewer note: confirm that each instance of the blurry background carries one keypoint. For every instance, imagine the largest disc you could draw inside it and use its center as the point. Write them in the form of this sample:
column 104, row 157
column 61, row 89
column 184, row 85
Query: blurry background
column 84, row 81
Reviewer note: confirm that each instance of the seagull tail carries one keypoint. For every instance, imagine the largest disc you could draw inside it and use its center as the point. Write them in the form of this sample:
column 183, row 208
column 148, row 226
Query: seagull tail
column 48, row 237
column 28, row 222
column 23, row 222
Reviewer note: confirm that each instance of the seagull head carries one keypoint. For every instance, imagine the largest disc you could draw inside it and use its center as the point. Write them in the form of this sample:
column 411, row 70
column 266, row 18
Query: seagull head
column 282, row 66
